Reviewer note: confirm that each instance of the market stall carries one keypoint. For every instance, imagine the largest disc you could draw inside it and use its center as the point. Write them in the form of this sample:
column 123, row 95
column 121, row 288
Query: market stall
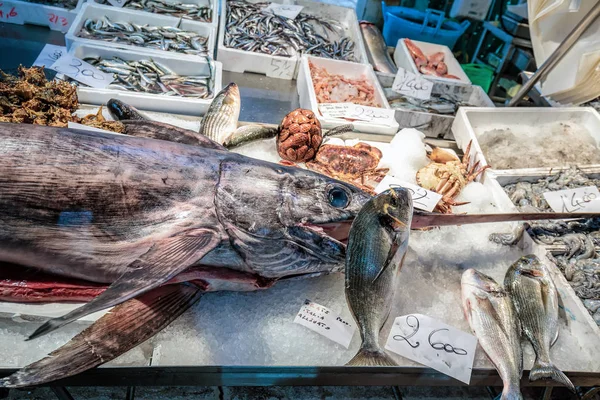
column 285, row 330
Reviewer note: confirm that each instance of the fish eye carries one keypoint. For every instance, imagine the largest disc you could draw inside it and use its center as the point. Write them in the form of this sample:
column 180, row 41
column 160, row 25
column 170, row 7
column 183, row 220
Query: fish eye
column 338, row 197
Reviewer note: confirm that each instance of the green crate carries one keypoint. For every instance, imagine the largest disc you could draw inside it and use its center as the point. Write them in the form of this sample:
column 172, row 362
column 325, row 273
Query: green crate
column 481, row 75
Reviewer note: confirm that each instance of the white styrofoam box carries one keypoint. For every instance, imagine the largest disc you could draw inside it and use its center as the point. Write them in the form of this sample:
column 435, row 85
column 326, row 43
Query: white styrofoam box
column 55, row 18
column 213, row 3
column 308, row 98
column 95, row 11
column 287, row 67
column 147, row 101
column 471, row 122
column 403, row 59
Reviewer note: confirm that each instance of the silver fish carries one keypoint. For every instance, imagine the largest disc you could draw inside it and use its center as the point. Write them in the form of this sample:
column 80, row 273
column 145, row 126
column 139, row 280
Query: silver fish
column 165, row 38
column 492, row 318
column 221, row 119
column 376, row 248
column 251, row 28
column 535, row 298
column 196, row 12
column 377, row 49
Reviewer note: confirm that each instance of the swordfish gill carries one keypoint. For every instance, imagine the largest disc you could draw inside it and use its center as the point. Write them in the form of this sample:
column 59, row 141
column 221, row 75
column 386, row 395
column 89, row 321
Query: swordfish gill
column 137, row 213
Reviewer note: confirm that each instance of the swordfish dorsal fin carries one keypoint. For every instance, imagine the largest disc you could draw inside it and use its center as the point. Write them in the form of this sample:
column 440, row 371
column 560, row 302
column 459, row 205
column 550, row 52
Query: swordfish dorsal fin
column 164, row 260
column 126, row 326
column 171, row 133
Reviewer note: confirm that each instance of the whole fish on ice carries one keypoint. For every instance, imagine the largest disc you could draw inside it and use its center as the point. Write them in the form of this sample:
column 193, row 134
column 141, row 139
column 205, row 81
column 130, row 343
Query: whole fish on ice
column 376, row 248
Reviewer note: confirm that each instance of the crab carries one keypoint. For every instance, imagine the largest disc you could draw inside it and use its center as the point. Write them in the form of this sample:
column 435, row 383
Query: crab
column 356, row 165
column 448, row 175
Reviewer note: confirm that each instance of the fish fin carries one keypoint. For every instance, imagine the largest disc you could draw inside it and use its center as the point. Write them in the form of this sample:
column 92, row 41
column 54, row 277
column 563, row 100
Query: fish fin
column 554, row 339
column 370, row 358
column 249, row 133
column 390, row 257
column 118, row 331
column 511, row 392
column 543, row 370
column 170, row 133
column 162, row 262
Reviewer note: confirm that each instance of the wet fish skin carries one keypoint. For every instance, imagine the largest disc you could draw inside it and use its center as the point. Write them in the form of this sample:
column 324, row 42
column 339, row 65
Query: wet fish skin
column 492, row 318
column 221, row 119
column 196, row 12
column 535, row 300
column 377, row 49
column 121, row 111
column 376, row 248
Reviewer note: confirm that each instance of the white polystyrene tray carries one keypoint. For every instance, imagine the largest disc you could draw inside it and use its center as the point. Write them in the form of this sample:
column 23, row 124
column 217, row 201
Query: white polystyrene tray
column 403, row 59
column 213, row 3
column 286, row 67
column 308, row 98
column 147, row 101
column 55, row 18
column 471, row 122
column 93, row 10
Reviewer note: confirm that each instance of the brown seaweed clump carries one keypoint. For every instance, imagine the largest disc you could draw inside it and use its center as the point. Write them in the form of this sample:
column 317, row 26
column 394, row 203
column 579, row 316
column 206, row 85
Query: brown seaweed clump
column 31, row 99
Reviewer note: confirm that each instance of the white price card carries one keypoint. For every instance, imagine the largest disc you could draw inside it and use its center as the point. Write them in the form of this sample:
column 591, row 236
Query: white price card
column 584, row 199
column 357, row 112
column 412, row 85
column 49, row 54
column 281, row 68
column 435, row 344
column 423, row 199
column 11, row 12
column 285, row 10
column 323, row 321
column 81, row 71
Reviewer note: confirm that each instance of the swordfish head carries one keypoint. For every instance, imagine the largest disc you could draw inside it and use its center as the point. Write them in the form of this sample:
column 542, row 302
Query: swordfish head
column 275, row 216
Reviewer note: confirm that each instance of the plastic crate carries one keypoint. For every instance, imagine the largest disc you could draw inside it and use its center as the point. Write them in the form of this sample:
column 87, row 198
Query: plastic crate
column 481, row 75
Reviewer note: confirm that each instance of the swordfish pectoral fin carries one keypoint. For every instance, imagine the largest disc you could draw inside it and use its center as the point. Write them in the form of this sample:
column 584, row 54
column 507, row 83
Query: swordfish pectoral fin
column 162, row 262
column 126, row 326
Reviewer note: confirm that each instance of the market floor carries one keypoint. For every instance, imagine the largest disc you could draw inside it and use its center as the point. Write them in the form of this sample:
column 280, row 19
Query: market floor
column 280, row 393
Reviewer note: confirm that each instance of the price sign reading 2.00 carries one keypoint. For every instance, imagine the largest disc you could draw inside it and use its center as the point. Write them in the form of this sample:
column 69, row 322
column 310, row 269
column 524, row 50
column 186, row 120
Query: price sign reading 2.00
column 82, row 71
column 369, row 113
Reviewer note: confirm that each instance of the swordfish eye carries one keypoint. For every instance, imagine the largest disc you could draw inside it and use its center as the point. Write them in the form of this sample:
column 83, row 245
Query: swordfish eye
column 338, row 197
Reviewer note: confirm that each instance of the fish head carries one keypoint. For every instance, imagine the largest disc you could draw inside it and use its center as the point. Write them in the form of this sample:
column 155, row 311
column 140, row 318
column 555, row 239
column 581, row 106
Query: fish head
column 228, row 102
column 287, row 208
column 480, row 284
column 395, row 208
column 530, row 265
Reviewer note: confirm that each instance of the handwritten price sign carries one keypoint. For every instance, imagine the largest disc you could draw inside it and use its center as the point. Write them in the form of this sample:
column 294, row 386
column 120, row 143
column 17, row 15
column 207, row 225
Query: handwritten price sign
column 9, row 12
column 281, row 68
column 81, row 71
column 585, row 199
column 422, row 199
column 357, row 112
column 412, row 85
column 323, row 321
column 49, row 55
column 284, row 10
column 435, row 344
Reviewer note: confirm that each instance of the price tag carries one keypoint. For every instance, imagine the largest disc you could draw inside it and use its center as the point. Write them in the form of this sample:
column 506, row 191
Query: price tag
column 323, row 321
column 434, row 344
column 357, row 112
column 11, row 12
column 412, row 85
column 49, row 54
column 585, row 199
column 60, row 19
column 81, row 71
column 117, row 3
column 281, row 68
column 423, row 199
column 284, row 10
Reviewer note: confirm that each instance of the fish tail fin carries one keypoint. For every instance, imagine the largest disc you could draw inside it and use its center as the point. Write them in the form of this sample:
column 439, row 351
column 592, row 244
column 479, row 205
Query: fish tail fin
column 547, row 370
column 511, row 392
column 118, row 331
column 371, row 357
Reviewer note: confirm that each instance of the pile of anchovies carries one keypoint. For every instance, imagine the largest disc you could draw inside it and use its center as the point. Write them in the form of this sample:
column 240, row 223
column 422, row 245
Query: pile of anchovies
column 197, row 12
column 574, row 245
column 167, row 38
column 150, row 76
column 251, row 28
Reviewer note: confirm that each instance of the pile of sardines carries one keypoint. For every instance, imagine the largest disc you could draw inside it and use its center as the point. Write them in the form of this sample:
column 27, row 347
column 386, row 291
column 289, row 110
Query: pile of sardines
column 150, row 76
column 252, row 28
column 197, row 12
column 167, row 38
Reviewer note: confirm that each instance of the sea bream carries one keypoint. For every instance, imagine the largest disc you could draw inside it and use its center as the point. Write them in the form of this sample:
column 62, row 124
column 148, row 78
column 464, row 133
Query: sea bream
column 137, row 213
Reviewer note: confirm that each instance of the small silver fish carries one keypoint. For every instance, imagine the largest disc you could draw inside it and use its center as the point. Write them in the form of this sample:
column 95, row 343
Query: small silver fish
column 376, row 248
column 492, row 318
column 535, row 298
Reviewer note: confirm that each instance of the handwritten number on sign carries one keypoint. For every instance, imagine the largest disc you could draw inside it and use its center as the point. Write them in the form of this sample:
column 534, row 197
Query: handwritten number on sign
column 280, row 67
column 416, row 195
column 56, row 19
column 448, row 348
column 9, row 14
column 412, row 322
column 571, row 204
column 76, row 64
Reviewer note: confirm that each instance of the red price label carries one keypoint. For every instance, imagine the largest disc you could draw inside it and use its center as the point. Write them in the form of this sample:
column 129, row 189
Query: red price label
column 58, row 20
